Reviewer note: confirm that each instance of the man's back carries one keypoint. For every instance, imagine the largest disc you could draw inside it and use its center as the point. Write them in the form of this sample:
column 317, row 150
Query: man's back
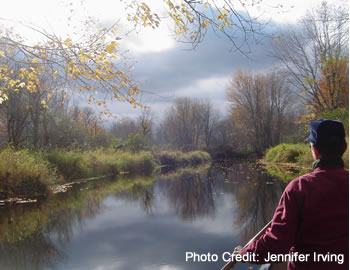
column 311, row 218
column 323, row 202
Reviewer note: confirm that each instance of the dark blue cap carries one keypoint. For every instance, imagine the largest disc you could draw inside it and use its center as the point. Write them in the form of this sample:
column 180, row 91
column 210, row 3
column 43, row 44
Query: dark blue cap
column 325, row 131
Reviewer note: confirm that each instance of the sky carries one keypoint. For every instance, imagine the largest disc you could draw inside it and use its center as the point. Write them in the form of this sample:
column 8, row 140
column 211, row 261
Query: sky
column 164, row 68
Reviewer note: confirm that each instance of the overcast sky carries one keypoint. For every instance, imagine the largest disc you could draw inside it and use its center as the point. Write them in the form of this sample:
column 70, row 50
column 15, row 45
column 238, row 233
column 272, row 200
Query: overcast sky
column 163, row 68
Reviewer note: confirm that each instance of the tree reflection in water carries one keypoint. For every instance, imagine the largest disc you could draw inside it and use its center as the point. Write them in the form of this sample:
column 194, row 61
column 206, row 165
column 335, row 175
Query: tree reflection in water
column 32, row 253
column 147, row 202
column 190, row 194
column 256, row 197
column 34, row 237
column 255, row 194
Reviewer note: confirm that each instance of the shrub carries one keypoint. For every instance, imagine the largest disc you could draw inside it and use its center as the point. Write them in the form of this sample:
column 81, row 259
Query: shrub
column 136, row 143
column 168, row 157
column 285, row 153
column 340, row 114
column 139, row 163
column 285, row 173
column 177, row 158
column 196, row 157
column 295, row 153
column 24, row 173
column 69, row 164
column 101, row 162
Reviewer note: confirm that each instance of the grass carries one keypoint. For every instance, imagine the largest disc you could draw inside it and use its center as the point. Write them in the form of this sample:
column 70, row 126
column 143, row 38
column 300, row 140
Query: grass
column 75, row 164
column 69, row 164
column 298, row 154
column 288, row 161
column 177, row 158
column 59, row 213
column 33, row 173
column 24, row 173
column 110, row 162
column 288, row 153
column 286, row 172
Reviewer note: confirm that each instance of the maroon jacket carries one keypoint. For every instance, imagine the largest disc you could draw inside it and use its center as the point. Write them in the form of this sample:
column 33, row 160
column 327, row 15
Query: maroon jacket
column 311, row 217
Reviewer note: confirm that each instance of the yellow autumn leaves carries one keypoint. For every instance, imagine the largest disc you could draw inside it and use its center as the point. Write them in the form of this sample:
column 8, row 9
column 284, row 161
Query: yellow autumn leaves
column 90, row 64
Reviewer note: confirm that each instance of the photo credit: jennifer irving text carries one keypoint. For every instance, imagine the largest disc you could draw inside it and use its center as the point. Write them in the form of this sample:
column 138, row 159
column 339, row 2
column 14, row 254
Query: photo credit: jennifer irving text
column 271, row 257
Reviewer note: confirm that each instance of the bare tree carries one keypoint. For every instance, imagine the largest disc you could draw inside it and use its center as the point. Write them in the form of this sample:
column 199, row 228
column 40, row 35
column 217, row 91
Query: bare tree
column 209, row 118
column 145, row 122
column 189, row 123
column 259, row 106
column 178, row 124
column 317, row 48
column 123, row 128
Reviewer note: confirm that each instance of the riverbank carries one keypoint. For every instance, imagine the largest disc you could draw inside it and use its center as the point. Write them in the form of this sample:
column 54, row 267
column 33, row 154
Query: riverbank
column 28, row 173
column 288, row 161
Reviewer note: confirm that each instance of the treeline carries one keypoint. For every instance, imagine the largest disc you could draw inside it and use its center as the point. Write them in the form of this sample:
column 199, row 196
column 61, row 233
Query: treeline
column 309, row 80
column 316, row 60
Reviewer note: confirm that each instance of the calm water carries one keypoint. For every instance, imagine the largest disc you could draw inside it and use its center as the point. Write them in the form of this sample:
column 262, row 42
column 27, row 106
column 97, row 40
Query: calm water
column 141, row 223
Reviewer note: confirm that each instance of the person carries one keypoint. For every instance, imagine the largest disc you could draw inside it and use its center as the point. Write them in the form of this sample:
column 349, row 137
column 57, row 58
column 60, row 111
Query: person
column 311, row 220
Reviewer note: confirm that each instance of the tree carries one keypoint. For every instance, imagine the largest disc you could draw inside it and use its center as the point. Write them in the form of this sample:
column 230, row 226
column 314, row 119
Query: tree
column 209, row 118
column 179, row 125
column 315, row 56
column 333, row 85
column 189, row 123
column 89, row 64
column 192, row 18
column 86, row 119
column 123, row 129
column 260, row 103
column 145, row 122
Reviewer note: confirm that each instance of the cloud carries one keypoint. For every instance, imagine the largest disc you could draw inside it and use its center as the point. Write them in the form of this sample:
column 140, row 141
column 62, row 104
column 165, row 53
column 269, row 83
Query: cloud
column 201, row 73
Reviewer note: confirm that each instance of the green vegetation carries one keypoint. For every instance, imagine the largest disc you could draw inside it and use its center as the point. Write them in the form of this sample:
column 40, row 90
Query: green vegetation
column 186, row 170
column 24, row 173
column 69, row 164
column 80, row 164
column 177, row 158
column 287, row 161
column 286, row 172
column 69, row 207
column 299, row 154
column 340, row 114
column 137, row 142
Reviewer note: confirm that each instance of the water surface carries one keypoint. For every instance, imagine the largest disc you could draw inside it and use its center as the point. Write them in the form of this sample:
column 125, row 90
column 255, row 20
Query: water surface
column 141, row 223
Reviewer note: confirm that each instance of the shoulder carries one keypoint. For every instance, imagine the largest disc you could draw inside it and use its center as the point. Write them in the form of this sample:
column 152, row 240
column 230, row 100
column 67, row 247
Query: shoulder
column 300, row 183
column 317, row 179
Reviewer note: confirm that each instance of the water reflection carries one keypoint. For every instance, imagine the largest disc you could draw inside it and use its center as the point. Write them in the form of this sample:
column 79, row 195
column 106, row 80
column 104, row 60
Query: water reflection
column 34, row 252
column 190, row 194
column 106, row 223
column 256, row 201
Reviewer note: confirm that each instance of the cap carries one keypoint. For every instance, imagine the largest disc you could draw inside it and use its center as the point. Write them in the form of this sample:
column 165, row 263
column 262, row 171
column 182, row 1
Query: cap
column 325, row 131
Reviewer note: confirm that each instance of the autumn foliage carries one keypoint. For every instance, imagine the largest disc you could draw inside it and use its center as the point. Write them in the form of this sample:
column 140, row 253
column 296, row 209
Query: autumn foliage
column 334, row 85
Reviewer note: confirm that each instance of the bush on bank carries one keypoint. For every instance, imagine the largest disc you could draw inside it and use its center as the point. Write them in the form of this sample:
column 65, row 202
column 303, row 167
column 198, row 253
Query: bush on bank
column 288, row 153
column 177, row 158
column 299, row 154
column 24, row 173
column 76, row 164
column 32, row 173
column 111, row 162
column 69, row 164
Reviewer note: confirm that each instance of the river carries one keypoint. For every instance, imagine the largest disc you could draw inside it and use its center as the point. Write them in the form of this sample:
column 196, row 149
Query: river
column 141, row 223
